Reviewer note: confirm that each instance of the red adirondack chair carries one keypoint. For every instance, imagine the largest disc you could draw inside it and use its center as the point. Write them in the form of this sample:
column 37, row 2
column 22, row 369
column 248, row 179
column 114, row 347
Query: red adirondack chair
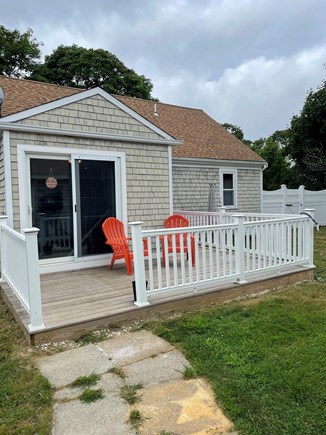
column 178, row 221
column 114, row 232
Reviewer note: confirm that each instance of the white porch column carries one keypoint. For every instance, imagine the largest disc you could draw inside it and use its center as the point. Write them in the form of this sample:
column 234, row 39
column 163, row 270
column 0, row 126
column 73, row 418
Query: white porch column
column 3, row 221
column 33, row 276
column 139, row 264
column 240, row 248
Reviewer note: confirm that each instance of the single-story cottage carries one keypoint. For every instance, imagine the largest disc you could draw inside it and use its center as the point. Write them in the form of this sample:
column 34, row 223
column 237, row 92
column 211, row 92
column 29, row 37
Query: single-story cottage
column 71, row 157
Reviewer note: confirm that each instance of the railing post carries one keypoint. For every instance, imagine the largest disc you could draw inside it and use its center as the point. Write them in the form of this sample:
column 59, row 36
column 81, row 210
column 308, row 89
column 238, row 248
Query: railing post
column 33, row 275
column 3, row 221
column 301, row 198
column 240, row 248
column 309, row 236
column 221, row 214
column 284, row 191
column 139, row 264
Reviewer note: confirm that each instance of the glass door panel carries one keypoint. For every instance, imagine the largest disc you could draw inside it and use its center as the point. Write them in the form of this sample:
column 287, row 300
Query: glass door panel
column 96, row 200
column 51, row 199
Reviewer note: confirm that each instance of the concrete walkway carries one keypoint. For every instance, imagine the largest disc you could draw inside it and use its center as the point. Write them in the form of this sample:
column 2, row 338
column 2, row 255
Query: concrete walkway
column 168, row 404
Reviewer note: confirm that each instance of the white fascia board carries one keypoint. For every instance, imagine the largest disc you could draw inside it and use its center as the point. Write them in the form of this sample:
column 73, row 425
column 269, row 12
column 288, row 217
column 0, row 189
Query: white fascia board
column 81, row 96
column 86, row 134
column 212, row 163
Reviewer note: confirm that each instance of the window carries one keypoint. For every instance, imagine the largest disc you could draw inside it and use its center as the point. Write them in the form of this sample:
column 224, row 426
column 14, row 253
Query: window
column 228, row 181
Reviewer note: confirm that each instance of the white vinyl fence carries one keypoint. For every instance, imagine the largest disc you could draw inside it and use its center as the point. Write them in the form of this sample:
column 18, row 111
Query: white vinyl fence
column 20, row 269
column 196, row 256
column 294, row 201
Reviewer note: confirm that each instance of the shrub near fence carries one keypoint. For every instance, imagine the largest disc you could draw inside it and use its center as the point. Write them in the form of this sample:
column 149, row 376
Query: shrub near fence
column 294, row 201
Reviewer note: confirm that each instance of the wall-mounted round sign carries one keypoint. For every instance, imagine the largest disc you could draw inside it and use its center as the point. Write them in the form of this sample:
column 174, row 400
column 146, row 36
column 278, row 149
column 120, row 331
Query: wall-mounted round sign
column 51, row 182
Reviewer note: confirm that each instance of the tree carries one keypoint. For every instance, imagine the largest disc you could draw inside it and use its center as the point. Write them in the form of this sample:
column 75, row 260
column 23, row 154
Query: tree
column 273, row 150
column 234, row 129
column 19, row 52
column 87, row 68
column 307, row 140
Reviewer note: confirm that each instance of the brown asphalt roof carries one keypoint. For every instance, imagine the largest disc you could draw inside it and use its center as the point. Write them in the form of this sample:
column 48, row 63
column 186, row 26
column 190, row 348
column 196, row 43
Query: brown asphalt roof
column 24, row 94
column 202, row 137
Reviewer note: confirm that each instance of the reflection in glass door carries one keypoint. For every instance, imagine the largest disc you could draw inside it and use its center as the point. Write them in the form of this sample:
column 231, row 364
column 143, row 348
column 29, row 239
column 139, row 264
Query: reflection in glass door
column 96, row 200
column 51, row 200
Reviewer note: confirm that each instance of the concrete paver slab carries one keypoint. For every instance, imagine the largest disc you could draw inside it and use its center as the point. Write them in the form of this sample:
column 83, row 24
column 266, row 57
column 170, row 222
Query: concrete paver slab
column 63, row 368
column 167, row 402
column 104, row 417
column 133, row 347
column 182, row 407
column 162, row 368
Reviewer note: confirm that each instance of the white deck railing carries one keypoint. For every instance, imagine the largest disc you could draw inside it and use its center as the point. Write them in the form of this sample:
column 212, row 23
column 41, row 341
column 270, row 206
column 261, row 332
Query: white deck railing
column 20, row 269
column 197, row 218
column 199, row 255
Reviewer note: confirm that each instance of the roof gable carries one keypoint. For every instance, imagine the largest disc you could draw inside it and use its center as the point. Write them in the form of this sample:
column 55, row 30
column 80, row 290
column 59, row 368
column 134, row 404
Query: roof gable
column 50, row 104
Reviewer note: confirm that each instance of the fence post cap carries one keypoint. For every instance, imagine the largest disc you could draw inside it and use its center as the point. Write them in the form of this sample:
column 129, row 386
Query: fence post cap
column 136, row 223
column 33, row 230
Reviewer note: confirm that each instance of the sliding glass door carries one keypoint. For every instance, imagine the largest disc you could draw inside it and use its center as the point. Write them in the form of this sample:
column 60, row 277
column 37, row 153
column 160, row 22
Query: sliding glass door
column 96, row 200
column 70, row 199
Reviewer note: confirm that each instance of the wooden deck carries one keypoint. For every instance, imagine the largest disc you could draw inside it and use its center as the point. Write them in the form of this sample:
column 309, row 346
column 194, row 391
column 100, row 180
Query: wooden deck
column 77, row 302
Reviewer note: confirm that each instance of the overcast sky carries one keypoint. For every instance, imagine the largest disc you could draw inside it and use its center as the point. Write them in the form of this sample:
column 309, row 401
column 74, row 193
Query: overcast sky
column 247, row 62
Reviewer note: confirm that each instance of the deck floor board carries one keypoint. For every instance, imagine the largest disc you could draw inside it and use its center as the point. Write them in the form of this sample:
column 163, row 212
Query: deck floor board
column 89, row 295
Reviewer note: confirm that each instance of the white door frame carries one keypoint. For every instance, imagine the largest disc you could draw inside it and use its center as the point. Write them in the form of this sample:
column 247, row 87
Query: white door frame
column 25, row 152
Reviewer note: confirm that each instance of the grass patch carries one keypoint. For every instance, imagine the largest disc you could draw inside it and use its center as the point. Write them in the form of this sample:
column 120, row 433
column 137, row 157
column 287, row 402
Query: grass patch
column 265, row 357
column 129, row 393
column 117, row 371
column 164, row 432
column 189, row 373
column 93, row 337
column 135, row 419
column 86, row 381
column 25, row 396
column 90, row 396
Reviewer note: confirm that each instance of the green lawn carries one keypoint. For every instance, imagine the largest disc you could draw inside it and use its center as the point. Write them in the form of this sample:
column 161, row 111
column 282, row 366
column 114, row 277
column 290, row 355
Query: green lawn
column 266, row 357
column 25, row 396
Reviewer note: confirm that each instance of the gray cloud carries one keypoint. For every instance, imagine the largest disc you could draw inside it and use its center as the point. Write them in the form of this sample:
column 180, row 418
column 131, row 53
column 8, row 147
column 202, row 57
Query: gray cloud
column 248, row 62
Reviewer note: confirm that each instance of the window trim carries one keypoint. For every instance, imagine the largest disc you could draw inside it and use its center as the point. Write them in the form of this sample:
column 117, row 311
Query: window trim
column 234, row 174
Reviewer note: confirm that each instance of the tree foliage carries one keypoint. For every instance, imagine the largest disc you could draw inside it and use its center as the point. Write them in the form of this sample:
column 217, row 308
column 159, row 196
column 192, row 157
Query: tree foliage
column 234, row 129
column 273, row 150
column 19, row 52
column 87, row 68
column 307, row 140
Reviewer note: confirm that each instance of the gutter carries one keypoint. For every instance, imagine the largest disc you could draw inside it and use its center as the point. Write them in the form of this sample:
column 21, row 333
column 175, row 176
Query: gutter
column 215, row 163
